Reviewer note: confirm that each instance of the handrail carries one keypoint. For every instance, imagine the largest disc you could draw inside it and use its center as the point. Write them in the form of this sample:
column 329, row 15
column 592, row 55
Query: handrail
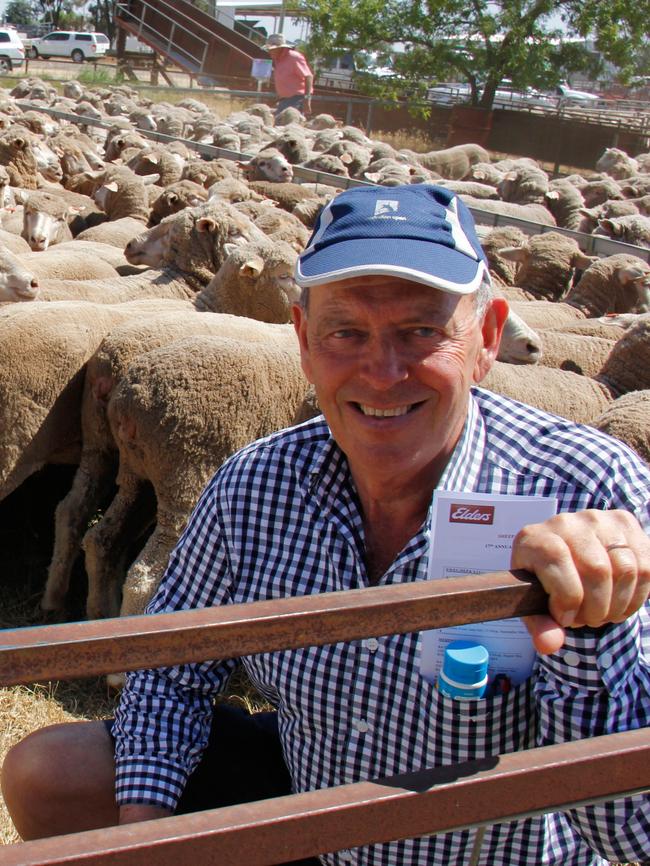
column 171, row 45
column 502, row 788
column 433, row 800
column 128, row 643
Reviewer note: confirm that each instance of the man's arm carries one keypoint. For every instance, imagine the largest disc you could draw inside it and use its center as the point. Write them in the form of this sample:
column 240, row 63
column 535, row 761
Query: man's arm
column 131, row 813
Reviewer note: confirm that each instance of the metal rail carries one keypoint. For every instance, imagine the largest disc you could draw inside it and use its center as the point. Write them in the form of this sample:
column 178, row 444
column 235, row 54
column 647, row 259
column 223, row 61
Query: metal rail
column 502, row 788
column 433, row 800
column 129, row 643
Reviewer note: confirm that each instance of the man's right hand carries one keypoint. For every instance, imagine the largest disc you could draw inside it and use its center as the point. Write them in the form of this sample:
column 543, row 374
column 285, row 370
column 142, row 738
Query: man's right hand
column 131, row 813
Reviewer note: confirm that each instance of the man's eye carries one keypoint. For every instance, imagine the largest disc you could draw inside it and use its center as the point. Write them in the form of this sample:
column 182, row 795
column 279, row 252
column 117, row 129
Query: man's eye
column 425, row 331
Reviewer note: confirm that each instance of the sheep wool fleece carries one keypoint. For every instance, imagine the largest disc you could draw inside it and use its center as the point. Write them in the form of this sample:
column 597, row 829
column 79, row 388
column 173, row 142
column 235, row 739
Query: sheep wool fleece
column 281, row 518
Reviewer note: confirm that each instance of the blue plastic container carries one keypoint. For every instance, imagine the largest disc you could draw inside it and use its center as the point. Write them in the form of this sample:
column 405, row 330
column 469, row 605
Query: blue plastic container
column 464, row 670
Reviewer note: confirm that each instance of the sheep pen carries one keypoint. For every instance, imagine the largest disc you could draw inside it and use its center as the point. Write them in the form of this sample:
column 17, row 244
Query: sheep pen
column 27, row 512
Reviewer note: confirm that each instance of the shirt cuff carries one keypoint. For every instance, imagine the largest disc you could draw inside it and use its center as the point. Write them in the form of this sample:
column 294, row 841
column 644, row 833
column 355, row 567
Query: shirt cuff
column 596, row 658
column 140, row 780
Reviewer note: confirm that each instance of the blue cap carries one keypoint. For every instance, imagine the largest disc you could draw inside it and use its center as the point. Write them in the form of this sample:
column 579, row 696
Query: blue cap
column 465, row 662
column 419, row 232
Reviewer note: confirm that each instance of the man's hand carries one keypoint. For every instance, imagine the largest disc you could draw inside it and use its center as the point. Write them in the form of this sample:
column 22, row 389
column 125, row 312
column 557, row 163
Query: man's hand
column 307, row 105
column 595, row 566
column 131, row 813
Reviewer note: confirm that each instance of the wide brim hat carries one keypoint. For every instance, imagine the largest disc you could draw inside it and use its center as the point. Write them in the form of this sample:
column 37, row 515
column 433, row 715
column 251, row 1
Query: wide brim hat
column 276, row 40
column 419, row 232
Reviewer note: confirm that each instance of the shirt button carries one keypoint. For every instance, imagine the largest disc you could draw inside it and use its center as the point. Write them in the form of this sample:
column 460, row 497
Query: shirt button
column 572, row 659
column 372, row 644
column 362, row 726
column 606, row 660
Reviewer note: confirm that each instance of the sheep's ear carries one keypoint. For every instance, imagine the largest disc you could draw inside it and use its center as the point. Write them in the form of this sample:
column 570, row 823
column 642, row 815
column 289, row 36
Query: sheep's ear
column 193, row 201
column 150, row 179
column 206, row 224
column 153, row 158
column 593, row 212
column 172, row 197
column 20, row 195
column 552, row 195
column 111, row 186
column 510, row 175
column 346, row 158
column 73, row 210
column 580, row 260
column 631, row 273
column 515, row 254
column 478, row 175
column 372, row 176
column 252, row 267
column 611, row 226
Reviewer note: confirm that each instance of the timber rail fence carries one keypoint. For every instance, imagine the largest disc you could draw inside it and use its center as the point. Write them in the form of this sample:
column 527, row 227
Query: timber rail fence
column 472, row 794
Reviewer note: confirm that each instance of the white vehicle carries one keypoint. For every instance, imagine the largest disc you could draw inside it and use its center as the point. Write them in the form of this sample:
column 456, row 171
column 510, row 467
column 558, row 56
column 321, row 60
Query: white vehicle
column 12, row 50
column 576, row 97
column 69, row 43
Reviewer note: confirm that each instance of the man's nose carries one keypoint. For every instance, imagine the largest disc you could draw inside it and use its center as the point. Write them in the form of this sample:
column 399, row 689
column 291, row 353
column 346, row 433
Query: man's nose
column 383, row 364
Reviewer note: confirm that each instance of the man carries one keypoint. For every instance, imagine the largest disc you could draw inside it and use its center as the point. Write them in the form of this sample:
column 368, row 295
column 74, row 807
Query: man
column 292, row 77
column 396, row 326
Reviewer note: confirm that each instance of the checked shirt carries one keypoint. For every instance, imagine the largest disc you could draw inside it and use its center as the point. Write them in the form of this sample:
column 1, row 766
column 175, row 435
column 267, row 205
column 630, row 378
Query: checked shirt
column 281, row 518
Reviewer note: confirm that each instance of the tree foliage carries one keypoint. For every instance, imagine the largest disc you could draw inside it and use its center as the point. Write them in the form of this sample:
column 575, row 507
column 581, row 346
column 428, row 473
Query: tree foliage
column 480, row 42
column 19, row 12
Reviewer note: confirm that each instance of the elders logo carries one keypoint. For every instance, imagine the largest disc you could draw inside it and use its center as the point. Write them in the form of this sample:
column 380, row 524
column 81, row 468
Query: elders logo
column 459, row 513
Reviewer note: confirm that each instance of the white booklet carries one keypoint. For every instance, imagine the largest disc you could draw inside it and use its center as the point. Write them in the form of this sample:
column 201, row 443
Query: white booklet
column 472, row 533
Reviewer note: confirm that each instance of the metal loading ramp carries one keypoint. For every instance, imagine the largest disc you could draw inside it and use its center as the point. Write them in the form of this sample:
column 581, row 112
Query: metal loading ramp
column 189, row 38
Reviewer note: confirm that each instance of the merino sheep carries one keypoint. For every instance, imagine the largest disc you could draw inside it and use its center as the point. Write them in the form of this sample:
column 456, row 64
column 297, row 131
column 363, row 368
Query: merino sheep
column 579, row 398
column 628, row 419
column 617, row 163
column 258, row 281
column 453, row 162
column 577, row 353
column 632, row 229
column 533, row 212
column 45, row 220
column 547, row 264
column 268, row 164
column 615, row 284
column 176, row 415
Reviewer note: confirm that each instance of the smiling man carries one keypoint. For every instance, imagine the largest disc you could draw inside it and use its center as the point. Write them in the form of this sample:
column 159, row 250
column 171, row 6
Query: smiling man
column 396, row 327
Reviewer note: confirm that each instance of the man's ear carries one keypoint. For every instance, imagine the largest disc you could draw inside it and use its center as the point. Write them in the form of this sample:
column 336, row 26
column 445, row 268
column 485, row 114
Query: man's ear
column 299, row 318
column 491, row 329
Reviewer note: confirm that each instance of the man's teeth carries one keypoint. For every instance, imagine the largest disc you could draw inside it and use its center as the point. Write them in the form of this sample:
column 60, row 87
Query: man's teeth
column 383, row 413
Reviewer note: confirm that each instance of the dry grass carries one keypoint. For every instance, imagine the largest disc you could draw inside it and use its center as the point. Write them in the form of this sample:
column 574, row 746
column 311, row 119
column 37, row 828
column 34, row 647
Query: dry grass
column 409, row 139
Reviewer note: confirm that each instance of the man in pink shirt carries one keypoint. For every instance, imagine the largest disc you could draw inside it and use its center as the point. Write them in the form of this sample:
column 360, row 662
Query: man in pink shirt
column 292, row 77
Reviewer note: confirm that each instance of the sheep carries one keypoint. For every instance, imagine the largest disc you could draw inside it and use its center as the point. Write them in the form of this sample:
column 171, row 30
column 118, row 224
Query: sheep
column 577, row 353
column 45, row 220
column 17, row 156
column 598, row 191
column 567, row 205
column 355, row 157
column 579, row 398
column 636, row 186
column 282, row 226
column 525, row 185
column 485, row 172
column 533, row 212
column 632, row 229
column 44, row 347
column 617, row 163
column 202, row 398
column 503, row 271
column 157, row 160
column 292, row 145
column 268, row 164
column 257, row 281
column 547, row 264
column 469, row 187
column 207, row 173
column 308, row 210
column 233, row 190
column 327, row 163
column 287, row 195
column 615, row 284
column 628, row 419
column 321, row 121
column 287, row 116
column 176, row 197
column 453, row 162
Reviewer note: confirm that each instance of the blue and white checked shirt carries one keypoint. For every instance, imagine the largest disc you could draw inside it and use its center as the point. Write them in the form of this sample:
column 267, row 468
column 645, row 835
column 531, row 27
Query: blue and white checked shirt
column 281, row 518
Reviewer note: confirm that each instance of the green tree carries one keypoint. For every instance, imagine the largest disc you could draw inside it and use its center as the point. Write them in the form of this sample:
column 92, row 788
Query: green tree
column 19, row 12
column 481, row 42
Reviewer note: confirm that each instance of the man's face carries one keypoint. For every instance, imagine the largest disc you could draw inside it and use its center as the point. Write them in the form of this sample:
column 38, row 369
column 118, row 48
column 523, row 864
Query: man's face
column 392, row 363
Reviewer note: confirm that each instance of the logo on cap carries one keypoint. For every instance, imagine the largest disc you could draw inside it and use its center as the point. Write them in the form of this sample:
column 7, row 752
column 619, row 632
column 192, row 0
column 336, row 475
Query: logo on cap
column 459, row 513
column 386, row 206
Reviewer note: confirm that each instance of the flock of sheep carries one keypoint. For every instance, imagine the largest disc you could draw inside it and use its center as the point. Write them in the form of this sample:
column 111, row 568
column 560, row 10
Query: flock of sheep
column 146, row 296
